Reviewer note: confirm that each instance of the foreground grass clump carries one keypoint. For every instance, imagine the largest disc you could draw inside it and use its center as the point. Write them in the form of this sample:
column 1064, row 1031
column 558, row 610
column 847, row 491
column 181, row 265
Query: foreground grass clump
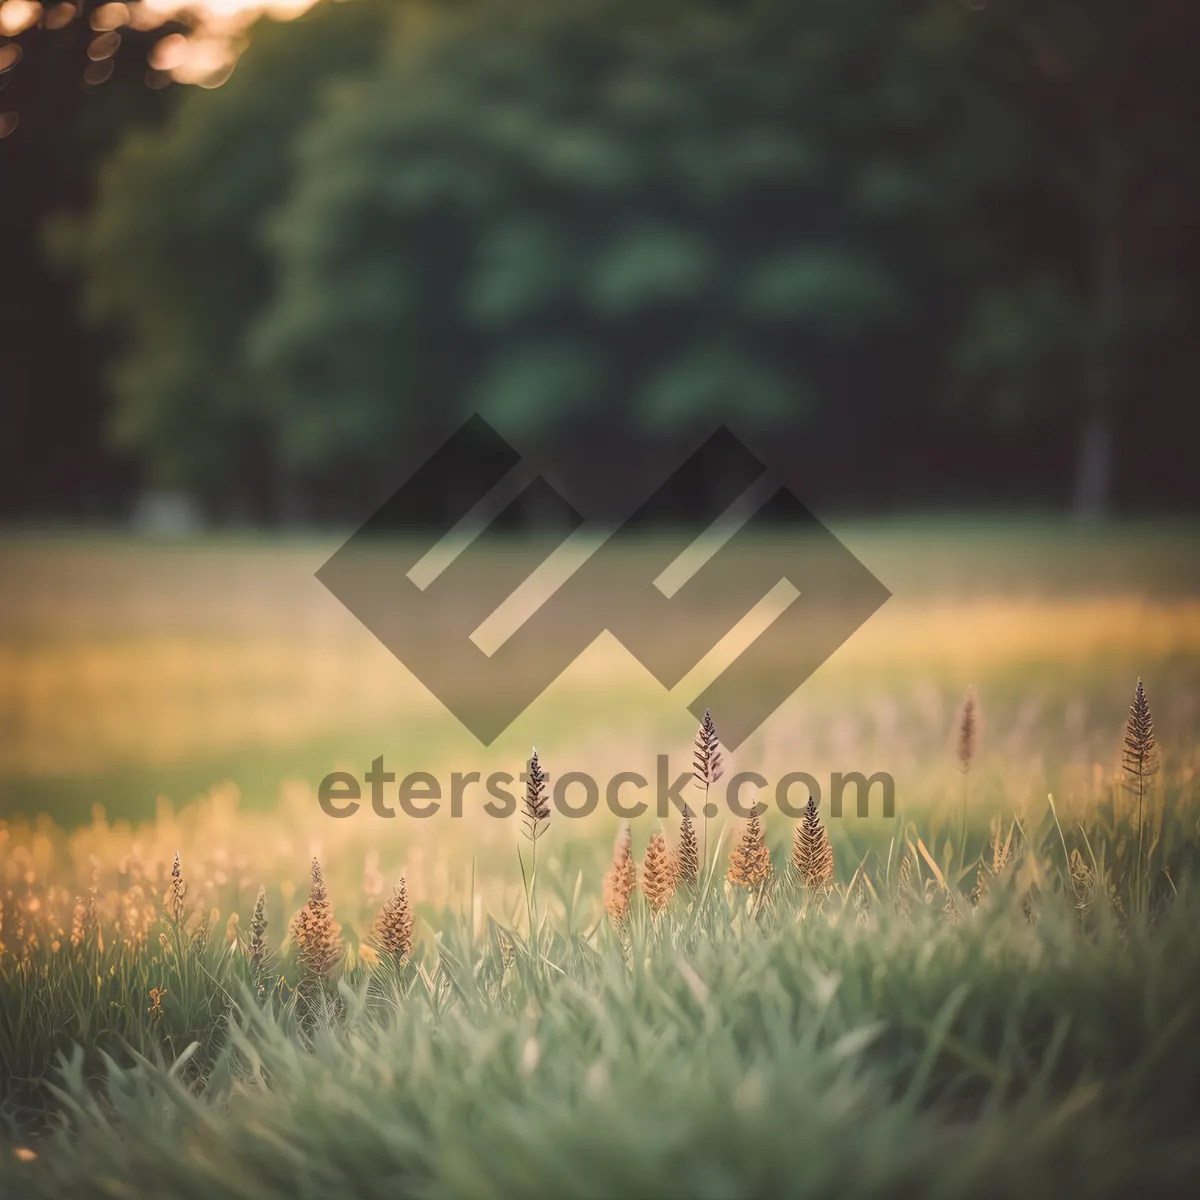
column 939, row 1014
column 709, row 1054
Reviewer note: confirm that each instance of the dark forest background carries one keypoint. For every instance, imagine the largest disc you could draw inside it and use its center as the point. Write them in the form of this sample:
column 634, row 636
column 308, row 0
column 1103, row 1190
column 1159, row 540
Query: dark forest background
column 942, row 255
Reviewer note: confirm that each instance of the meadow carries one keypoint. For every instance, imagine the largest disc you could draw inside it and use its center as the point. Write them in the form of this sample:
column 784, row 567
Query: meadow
column 993, row 992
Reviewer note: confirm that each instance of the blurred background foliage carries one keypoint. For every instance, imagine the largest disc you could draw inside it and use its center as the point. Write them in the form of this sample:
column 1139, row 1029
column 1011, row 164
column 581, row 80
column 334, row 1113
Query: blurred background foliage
column 943, row 252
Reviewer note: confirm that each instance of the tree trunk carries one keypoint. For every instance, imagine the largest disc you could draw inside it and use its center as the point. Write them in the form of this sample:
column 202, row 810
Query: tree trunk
column 1094, row 469
column 1102, row 348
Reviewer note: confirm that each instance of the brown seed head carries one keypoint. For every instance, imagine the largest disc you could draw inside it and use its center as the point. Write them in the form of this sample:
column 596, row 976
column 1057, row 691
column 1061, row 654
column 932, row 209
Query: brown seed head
column 968, row 730
column 706, row 755
column 257, row 949
column 658, row 873
column 315, row 932
column 535, row 810
column 750, row 860
column 621, row 878
column 687, row 856
column 1140, row 755
column 393, row 933
column 176, row 892
column 812, row 855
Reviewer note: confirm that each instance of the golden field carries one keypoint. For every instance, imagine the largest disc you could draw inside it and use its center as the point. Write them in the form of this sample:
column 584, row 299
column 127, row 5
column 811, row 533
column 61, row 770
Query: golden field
column 991, row 991
column 190, row 696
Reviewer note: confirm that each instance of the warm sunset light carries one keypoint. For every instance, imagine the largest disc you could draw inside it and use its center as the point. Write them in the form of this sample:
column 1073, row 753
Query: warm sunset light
column 599, row 599
column 217, row 37
column 19, row 15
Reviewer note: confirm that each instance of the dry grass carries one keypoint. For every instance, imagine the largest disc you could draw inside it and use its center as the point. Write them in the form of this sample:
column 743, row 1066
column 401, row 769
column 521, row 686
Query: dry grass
column 122, row 654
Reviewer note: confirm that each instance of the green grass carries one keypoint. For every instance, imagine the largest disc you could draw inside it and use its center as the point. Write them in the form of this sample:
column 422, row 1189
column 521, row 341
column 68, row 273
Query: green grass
column 895, row 1038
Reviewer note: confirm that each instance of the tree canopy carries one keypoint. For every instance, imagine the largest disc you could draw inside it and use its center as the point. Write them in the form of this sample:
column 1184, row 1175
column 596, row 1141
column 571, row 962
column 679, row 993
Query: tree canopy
column 638, row 217
column 175, row 258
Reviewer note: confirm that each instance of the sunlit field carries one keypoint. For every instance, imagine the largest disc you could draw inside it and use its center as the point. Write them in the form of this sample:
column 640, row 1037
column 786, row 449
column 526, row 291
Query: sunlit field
column 994, row 990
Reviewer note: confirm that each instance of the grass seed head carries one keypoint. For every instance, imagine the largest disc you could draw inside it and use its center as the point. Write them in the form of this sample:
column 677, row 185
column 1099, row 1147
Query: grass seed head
column 1140, row 755
column 658, row 873
column 968, row 730
column 393, row 932
column 535, row 810
column 83, row 921
column 687, row 856
column 707, row 766
column 176, row 892
column 315, row 932
column 812, row 855
column 257, row 949
column 750, row 860
column 620, row 880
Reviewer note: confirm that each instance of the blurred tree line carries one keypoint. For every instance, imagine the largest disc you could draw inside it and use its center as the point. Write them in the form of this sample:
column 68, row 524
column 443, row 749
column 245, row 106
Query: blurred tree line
column 70, row 111
column 941, row 252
